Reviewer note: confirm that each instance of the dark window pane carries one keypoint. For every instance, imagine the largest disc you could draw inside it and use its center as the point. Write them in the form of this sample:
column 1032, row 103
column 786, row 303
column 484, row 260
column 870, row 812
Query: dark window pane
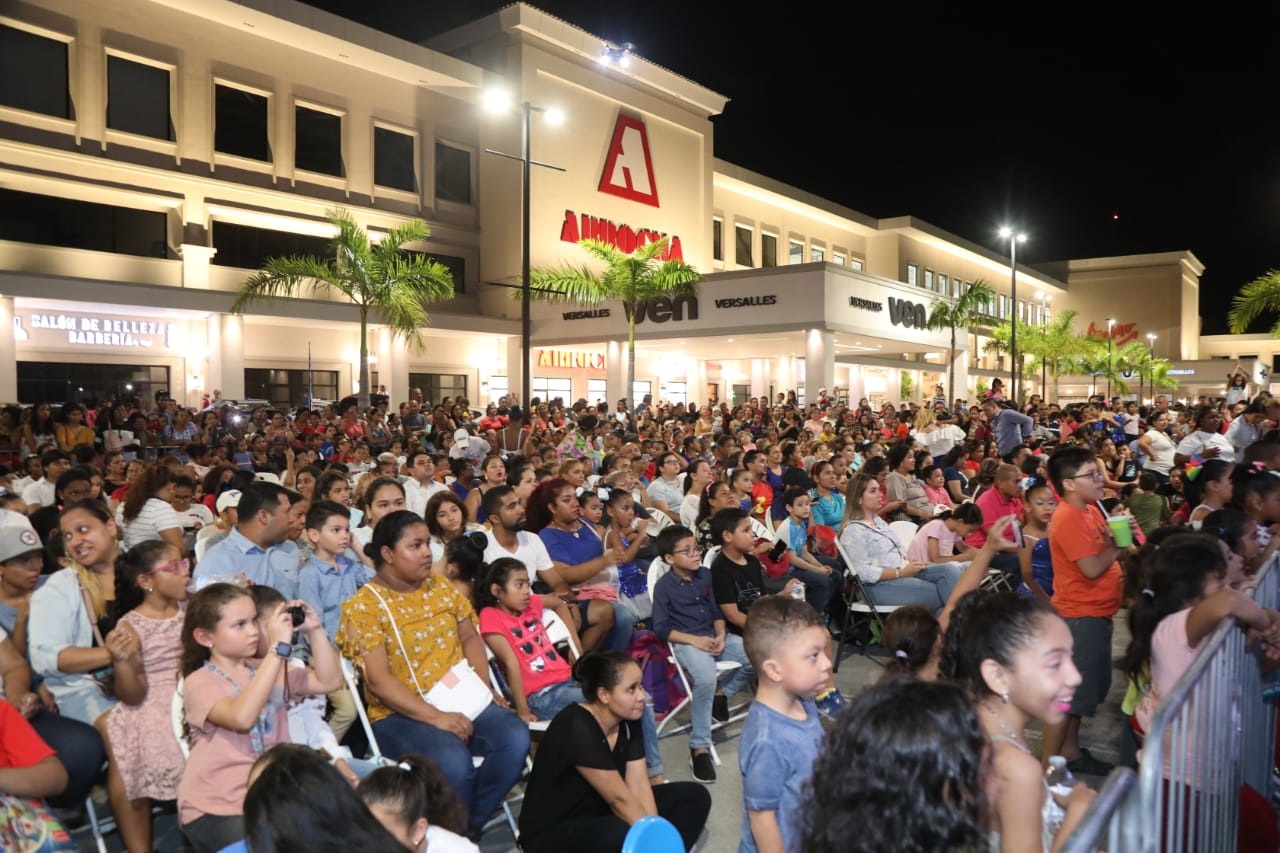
column 318, row 142
column 768, row 250
column 393, row 164
column 286, row 389
column 453, row 174
column 742, row 246
column 717, row 240
column 436, row 386
column 52, row 221
column 247, row 247
column 240, row 123
column 33, row 73
column 57, row 382
column 138, row 98
column 457, row 267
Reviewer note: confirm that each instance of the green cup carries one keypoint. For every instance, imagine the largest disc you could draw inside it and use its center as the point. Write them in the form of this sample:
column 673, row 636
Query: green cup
column 1121, row 530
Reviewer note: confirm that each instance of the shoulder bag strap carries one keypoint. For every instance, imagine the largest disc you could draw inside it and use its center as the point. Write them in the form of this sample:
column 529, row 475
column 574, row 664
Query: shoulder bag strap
column 395, row 629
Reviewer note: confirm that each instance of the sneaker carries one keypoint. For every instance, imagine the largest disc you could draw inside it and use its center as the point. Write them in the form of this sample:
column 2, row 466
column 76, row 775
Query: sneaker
column 720, row 708
column 1087, row 765
column 704, row 769
column 831, row 703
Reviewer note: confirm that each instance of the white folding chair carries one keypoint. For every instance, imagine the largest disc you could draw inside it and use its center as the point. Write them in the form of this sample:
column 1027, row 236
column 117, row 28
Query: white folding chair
column 178, row 716
column 707, row 558
column 904, row 532
column 657, row 569
column 860, row 606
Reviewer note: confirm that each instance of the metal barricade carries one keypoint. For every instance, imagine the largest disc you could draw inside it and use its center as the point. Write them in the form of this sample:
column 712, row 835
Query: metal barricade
column 1213, row 734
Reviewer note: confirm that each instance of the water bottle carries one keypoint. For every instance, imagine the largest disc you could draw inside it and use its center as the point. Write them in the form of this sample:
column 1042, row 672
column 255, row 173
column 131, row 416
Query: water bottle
column 797, row 591
column 1058, row 777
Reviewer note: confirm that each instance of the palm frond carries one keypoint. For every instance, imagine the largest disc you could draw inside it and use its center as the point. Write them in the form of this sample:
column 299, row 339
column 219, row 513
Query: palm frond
column 1260, row 296
column 282, row 278
column 568, row 284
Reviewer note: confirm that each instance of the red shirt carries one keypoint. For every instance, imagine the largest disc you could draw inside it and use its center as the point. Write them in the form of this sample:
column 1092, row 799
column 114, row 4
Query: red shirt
column 993, row 506
column 20, row 746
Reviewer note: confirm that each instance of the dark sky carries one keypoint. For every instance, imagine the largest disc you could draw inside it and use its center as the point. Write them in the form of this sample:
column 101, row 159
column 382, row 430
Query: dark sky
column 1098, row 135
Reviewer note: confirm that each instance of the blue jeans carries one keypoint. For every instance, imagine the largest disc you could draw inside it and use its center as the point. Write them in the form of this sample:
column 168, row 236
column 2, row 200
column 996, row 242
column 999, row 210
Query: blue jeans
column 554, row 698
column 700, row 666
column 624, row 625
column 931, row 588
column 819, row 589
column 498, row 736
column 649, row 728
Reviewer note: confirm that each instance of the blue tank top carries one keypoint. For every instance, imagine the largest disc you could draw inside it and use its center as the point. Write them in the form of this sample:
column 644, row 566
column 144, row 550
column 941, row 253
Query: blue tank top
column 1042, row 565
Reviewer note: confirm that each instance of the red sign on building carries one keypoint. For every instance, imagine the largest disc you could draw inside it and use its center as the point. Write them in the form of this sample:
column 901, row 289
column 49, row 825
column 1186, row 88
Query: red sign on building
column 628, row 168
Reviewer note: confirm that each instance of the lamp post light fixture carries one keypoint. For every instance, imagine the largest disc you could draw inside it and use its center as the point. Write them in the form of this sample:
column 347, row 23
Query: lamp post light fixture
column 499, row 101
column 1014, row 239
column 1110, row 325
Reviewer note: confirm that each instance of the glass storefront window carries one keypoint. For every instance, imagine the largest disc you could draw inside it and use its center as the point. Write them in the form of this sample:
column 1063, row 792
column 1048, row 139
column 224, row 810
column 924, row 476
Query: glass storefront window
column 57, row 382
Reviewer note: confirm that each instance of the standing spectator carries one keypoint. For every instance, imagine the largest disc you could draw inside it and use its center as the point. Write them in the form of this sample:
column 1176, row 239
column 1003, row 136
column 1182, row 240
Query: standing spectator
column 1156, row 448
column 1008, row 427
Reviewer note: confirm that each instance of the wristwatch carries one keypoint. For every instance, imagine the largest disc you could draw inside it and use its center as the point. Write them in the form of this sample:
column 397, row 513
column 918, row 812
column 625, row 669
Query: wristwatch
column 284, row 650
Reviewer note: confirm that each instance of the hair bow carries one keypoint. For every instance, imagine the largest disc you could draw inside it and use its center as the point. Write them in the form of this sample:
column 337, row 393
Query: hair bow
column 1193, row 467
column 602, row 493
column 1026, row 483
column 1257, row 467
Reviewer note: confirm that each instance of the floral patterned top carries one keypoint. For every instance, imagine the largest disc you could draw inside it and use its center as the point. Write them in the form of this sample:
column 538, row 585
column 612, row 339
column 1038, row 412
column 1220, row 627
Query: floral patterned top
column 427, row 620
column 873, row 547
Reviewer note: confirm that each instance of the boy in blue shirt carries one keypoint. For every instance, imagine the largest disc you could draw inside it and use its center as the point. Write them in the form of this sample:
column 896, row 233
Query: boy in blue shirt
column 686, row 616
column 787, row 645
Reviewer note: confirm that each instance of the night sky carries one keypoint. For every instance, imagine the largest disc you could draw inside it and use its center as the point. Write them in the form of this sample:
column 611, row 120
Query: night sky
column 1096, row 135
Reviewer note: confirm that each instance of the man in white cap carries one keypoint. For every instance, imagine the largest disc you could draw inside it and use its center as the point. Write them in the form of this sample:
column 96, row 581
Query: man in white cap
column 468, row 446
column 227, row 506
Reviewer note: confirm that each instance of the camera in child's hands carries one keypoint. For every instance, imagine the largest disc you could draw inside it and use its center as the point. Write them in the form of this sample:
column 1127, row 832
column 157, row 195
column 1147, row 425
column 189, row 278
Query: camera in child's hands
column 298, row 614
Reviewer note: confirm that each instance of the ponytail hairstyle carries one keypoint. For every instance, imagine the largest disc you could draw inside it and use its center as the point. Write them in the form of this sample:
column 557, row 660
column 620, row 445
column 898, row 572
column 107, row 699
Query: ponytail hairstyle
column 615, row 497
column 708, row 494
column 1238, row 530
column 496, row 573
column 1197, row 476
column 597, row 671
column 989, row 626
column 415, row 789
column 966, row 513
column 389, row 532
column 203, row 612
column 538, row 510
column 911, row 634
column 133, row 564
column 150, row 481
column 466, row 554
column 1173, row 579
column 1251, row 485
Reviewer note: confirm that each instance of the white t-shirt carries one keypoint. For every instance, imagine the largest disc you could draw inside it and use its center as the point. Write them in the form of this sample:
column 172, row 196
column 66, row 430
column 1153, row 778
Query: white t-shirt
column 416, row 495
column 441, row 840
column 529, row 550
column 196, row 517
column 155, row 515
column 1195, row 444
column 689, row 509
column 40, row 492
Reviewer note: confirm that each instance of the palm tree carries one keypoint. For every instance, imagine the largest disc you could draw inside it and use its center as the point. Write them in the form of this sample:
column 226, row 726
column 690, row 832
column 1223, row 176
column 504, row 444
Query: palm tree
column 381, row 278
column 634, row 279
column 1056, row 347
column 1260, row 296
column 959, row 313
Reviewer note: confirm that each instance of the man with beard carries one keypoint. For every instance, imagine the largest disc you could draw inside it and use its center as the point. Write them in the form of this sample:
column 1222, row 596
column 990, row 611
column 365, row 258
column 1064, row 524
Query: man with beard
column 508, row 538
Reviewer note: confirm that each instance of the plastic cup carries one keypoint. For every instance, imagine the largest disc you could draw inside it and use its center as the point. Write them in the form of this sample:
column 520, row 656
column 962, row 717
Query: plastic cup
column 1121, row 530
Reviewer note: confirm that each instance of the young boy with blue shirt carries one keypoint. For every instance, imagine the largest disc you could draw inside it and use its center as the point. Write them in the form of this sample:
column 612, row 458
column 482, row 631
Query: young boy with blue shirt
column 328, row 578
column 787, row 645
column 686, row 616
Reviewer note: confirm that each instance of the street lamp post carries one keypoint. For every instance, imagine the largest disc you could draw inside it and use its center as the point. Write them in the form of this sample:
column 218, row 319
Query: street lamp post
column 1014, row 239
column 1151, row 350
column 498, row 101
column 1110, row 324
column 1044, row 361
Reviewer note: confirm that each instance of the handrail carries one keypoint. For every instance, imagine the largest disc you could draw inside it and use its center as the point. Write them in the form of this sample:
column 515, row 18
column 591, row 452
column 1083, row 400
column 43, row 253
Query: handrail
column 1098, row 819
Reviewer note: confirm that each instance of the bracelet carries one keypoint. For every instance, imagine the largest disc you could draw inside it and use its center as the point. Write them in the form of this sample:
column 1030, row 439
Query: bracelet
column 897, row 573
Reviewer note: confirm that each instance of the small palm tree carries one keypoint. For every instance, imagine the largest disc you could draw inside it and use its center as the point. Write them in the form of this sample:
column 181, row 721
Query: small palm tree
column 1258, row 297
column 1057, row 347
column 960, row 313
column 379, row 278
column 633, row 279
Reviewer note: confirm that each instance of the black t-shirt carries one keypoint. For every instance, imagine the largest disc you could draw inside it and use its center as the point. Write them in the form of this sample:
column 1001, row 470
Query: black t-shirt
column 738, row 584
column 556, row 791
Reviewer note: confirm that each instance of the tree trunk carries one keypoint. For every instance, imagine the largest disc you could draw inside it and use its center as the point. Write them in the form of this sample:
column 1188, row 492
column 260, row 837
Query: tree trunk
column 951, row 376
column 362, row 398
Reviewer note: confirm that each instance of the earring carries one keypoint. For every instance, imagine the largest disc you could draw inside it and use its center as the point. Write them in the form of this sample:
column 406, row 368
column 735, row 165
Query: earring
column 1005, row 697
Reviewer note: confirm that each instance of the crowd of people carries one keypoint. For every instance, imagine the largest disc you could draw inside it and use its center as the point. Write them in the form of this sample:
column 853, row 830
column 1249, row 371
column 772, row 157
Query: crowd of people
column 490, row 576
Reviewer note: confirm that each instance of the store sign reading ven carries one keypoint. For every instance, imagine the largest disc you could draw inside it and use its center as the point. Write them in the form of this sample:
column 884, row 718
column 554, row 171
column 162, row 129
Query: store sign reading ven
column 909, row 315
column 99, row 331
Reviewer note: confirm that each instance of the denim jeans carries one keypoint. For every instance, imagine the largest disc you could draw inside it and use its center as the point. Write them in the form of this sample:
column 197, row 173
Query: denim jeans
column 819, row 589
column 554, row 698
column 931, row 588
column 652, row 753
column 700, row 666
column 498, row 736
column 624, row 625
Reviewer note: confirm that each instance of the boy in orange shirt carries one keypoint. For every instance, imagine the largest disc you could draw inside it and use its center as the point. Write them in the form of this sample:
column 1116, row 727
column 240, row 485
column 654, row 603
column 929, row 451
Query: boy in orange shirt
column 1087, row 585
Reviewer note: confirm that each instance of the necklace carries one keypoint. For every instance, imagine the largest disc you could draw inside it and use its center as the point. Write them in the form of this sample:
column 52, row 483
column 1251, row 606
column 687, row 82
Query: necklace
column 576, row 532
column 1008, row 729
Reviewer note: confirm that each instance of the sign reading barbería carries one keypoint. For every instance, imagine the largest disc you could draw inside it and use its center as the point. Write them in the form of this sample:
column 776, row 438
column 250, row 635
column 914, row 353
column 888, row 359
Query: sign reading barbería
column 97, row 331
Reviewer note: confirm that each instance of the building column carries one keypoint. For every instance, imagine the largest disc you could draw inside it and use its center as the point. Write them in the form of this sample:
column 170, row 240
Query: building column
column 515, row 373
column 393, row 366
column 819, row 363
column 759, row 377
column 615, row 372
column 226, row 356
column 195, row 265
column 8, row 352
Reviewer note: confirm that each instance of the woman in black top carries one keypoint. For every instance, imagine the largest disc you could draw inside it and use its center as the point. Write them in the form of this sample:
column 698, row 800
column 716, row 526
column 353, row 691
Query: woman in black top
column 589, row 782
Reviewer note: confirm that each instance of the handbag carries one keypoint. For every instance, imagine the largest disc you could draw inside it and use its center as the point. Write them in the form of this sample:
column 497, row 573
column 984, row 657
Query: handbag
column 29, row 826
column 459, row 691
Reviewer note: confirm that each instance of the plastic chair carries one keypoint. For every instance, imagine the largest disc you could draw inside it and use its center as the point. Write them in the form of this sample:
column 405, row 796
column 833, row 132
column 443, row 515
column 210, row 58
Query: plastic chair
column 178, row 716
column 860, row 606
column 653, row 834
column 904, row 532
column 657, row 569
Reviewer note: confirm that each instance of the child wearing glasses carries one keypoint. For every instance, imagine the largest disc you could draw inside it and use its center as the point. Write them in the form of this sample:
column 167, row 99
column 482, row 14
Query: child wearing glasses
column 145, row 760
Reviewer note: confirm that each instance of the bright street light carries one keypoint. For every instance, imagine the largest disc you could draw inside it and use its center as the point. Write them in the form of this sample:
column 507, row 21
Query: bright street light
column 1014, row 239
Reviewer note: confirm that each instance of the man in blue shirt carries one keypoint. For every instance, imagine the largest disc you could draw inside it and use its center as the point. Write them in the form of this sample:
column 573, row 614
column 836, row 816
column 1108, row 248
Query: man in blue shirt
column 259, row 546
column 1010, row 428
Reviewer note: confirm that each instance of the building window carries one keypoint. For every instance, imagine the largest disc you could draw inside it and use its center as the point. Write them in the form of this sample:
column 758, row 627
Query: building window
column 928, row 280
column 717, row 239
column 240, row 123
column 795, row 252
column 837, row 258
column 1003, row 302
column 639, row 390
column 817, row 254
column 676, row 392
column 74, row 382
column 943, row 284
column 394, row 160
column 436, row 386
column 598, row 392
column 453, row 174
column 457, row 268
column 34, row 74
column 248, row 248
column 768, row 250
column 956, row 287
column 498, row 388
column 742, row 245
column 855, row 264
column 913, row 275
column 317, row 141
column 138, row 98
column 285, row 389
column 46, row 220
column 547, row 388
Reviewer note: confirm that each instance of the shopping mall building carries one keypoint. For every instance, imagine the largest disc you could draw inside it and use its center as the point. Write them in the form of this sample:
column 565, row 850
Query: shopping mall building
column 154, row 152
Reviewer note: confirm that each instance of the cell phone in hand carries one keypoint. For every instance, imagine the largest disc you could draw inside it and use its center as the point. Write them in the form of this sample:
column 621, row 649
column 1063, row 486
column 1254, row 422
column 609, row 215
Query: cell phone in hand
column 779, row 548
column 1015, row 532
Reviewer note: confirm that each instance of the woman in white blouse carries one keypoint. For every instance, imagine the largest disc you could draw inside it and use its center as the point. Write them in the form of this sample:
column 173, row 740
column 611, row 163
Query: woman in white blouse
column 1205, row 440
column 1158, row 448
column 880, row 560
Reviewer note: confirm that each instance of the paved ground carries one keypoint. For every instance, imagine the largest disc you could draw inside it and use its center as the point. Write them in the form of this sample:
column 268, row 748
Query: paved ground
column 1102, row 736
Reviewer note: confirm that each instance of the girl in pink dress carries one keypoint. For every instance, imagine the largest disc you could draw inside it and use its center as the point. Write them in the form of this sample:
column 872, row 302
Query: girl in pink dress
column 146, row 761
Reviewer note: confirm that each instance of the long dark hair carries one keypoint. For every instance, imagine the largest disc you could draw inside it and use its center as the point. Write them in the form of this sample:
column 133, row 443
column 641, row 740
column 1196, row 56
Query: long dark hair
column 538, row 512
column 204, row 611
column 389, row 532
column 901, row 771
column 414, row 788
column 131, row 565
column 498, row 572
column 300, row 804
column 151, row 480
column 910, row 633
column 1211, row 471
column 989, row 626
column 704, row 500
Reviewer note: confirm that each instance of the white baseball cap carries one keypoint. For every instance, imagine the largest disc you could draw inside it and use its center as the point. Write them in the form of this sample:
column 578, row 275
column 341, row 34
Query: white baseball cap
column 461, row 438
column 229, row 498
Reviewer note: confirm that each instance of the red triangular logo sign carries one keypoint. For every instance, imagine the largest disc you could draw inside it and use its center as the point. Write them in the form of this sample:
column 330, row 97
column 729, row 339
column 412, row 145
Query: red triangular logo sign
column 628, row 168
